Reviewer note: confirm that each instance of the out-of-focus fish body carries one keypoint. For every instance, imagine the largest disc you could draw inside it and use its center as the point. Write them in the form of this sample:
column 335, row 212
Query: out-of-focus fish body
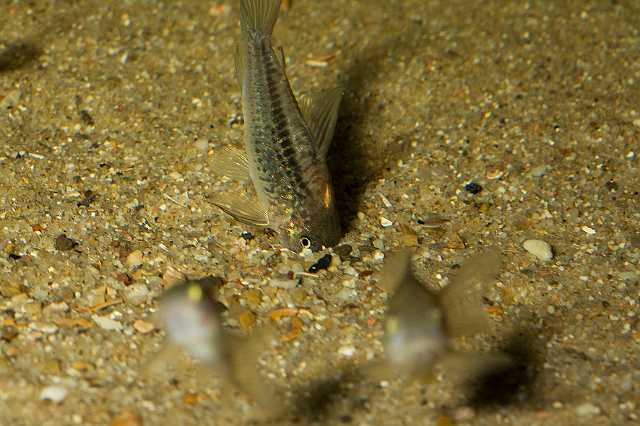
column 420, row 323
column 285, row 142
column 192, row 318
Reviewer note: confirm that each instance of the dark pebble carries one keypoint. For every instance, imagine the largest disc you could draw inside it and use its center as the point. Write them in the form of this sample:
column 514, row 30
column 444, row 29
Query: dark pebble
column 8, row 333
column 64, row 243
column 86, row 117
column 123, row 278
column 346, row 418
column 322, row 263
column 89, row 197
column 343, row 250
column 14, row 256
column 248, row 236
column 473, row 188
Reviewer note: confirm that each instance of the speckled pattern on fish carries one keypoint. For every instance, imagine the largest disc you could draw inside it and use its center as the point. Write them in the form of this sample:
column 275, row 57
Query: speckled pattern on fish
column 285, row 143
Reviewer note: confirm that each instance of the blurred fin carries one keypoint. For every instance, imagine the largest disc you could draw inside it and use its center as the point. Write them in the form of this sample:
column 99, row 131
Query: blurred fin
column 379, row 370
column 246, row 371
column 242, row 209
column 320, row 111
column 231, row 162
column 396, row 269
column 464, row 366
column 461, row 300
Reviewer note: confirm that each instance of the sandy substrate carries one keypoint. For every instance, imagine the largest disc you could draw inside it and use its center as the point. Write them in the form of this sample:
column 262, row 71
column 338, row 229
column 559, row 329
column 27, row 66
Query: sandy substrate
column 111, row 114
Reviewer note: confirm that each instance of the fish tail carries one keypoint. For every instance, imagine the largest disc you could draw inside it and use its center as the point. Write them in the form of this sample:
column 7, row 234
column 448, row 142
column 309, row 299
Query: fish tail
column 259, row 16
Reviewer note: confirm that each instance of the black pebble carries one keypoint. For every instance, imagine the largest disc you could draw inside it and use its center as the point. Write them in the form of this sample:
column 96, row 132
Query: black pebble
column 89, row 197
column 322, row 263
column 343, row 250
column 473, row 188
column 248, row 236
column 65, row 243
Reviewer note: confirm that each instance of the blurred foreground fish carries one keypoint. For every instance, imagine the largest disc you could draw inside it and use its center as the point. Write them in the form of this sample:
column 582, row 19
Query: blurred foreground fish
column 285, row 142
column 420, row 323
column 191, row 316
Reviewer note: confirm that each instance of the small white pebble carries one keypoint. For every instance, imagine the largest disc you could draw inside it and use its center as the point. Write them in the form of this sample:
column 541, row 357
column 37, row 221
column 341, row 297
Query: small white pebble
column 136, row 294
column 538, row 248
column 202, row 145
column 463, row 413
column 385, row 222
column 350, row 270
column 283, row 283
column 347, row 351
column 588, row 230
column 134, row 259
column 378, row 255
column 53, row 393
column 143, row 327
column 385, row 201
column 587, row 410
column 107, row 323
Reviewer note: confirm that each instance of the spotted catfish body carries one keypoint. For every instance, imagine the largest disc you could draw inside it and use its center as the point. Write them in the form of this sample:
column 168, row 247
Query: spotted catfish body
column 285, row 142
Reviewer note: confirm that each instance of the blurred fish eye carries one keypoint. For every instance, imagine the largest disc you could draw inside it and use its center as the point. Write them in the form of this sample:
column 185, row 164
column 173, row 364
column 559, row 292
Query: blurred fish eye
column 305, row 242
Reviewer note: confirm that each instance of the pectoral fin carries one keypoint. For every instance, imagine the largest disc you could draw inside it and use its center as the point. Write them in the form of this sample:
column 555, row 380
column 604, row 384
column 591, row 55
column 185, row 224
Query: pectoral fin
column 242, row 209
column 231, row 162
column 320, row 112
column 396, row 270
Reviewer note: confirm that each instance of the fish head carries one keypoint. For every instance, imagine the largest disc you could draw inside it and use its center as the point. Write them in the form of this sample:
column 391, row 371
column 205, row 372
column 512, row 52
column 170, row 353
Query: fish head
column 312, row 230
column 190, row 314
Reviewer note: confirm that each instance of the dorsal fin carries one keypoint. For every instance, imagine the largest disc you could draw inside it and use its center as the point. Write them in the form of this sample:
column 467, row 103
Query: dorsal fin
column 320, row 111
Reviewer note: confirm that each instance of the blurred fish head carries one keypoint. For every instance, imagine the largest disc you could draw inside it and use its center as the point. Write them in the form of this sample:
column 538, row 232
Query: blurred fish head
column 414, row 327
column 190, row 315
column 313, row 230
column 413, row 343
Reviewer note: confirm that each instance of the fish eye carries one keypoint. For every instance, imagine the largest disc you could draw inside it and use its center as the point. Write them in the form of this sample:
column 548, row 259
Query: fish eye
column 305, row 242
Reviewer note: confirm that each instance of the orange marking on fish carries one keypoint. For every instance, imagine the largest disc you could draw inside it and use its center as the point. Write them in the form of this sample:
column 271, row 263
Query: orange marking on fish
column 326, row 197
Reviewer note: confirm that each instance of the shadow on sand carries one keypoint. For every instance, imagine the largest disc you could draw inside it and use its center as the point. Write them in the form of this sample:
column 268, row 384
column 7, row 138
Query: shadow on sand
column 19, row 55
column 355, row 158
column 511, row 384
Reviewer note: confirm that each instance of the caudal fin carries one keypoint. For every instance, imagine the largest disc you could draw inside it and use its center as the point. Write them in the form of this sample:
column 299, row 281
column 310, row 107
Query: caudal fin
column 259, row 15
